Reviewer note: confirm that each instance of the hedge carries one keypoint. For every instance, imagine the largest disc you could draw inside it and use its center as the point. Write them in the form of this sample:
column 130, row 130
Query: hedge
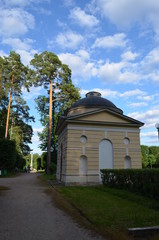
column 8, row 154
column 144, row 181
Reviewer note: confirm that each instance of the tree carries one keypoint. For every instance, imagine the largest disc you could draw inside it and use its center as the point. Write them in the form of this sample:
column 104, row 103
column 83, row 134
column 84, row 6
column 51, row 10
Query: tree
column 151, row 160
column 50, row 73
column 16, row 74
column 70, row 94
column 145, row 154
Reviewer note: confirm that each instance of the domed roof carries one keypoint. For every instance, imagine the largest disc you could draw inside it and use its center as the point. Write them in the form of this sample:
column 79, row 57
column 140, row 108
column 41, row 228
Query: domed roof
column 94, row 100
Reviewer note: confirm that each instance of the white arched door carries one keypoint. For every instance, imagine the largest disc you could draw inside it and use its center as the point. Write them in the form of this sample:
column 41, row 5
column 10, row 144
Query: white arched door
column 105, row 155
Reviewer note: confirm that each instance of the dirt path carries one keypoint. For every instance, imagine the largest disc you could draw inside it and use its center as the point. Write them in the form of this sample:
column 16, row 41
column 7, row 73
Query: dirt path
column 27, row 213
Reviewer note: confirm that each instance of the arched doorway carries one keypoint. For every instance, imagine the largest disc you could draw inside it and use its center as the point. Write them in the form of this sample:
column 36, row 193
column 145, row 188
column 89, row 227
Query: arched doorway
column 105, row 155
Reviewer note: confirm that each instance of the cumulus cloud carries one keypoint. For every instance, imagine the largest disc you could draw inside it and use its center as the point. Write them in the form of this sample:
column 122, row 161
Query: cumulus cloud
column 117, row 40
column 34, row 92
column 150, row 117
column 23, row 47
column 2, row 53
column 17, row 43
column 36, row 130
column 138, row 104
column 26, row 56
column 78, row 64
column 131, row 93
column 104, row 92
column 68, row 40
column 125, row 13
column 149, row 134
column 83, row 19
column 15, row 22
column 20, row 3
column 128, row 70
column 129, row 56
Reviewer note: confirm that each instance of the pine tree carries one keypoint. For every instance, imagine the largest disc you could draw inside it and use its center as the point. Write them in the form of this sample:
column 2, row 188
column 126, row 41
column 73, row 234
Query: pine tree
column 50, row 73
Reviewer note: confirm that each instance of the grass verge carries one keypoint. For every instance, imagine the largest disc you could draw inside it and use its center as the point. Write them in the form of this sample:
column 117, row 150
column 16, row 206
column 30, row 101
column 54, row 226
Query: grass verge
column 112, row 211
column 46, row 177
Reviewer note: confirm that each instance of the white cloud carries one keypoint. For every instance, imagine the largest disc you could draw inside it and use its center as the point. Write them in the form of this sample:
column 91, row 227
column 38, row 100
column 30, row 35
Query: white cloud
column 150, row 117
column 78, row 64
column 2, row 53
column 26, row 56
column 83, row 54
column 117, row 40
column 119, row 72
column 83, row 19
column 20, row 3
column 138, row 104
column 151, row 60
column 133, row 93
column 36, row 130
column 69, row 40
column 104, row 92
column 149, row 134
column 15, row 22
column 146, row 98
column 16, row 43
column 34, row 92
column 129, row 56
column 24, row 48
column 124, row 13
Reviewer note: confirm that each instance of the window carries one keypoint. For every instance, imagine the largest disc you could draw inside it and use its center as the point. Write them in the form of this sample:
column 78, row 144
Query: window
column 126, row 140
column 83, row 139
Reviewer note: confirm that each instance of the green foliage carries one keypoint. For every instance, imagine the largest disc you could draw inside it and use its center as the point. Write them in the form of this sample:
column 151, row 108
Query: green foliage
column 144, row 181
column 150, row 156
column 53, row 161
column 20, row 162
column 11, row 68
column 52, row 168
column 8, row 154
column 50, row 68
column 38, row 163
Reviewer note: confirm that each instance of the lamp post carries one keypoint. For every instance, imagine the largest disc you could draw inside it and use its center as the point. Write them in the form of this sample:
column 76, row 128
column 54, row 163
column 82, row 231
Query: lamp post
column 157, row 126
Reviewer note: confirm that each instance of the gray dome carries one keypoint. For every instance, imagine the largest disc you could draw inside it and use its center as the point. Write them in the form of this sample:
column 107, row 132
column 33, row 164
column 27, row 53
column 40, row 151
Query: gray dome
column 94, row 100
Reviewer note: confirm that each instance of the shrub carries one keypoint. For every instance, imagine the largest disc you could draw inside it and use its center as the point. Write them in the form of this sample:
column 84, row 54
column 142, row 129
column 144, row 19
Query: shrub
column 144, row 181
column 52, row 168
column 8, row 154
column 20, row 162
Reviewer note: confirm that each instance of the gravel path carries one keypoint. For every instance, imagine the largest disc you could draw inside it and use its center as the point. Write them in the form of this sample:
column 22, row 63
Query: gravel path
column 27, row 213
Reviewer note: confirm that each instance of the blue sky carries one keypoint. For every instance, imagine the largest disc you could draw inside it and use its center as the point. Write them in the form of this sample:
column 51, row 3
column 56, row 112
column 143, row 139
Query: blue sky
column 111, row 46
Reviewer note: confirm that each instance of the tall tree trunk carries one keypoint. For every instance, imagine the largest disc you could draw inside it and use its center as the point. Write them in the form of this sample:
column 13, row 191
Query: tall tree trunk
column 0, row 84
column 49, row 131
column 7, row 123
column 53, row 116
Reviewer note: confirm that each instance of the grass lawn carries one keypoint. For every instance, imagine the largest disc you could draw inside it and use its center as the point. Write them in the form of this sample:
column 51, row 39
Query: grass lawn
column 112, row 211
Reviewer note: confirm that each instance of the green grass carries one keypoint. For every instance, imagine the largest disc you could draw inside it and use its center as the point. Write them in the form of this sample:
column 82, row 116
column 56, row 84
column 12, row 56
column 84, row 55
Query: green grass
column 46, row 177
column 111, row 210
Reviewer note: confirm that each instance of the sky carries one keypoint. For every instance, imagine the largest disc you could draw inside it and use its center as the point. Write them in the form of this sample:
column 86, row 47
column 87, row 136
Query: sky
column 111, row 46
